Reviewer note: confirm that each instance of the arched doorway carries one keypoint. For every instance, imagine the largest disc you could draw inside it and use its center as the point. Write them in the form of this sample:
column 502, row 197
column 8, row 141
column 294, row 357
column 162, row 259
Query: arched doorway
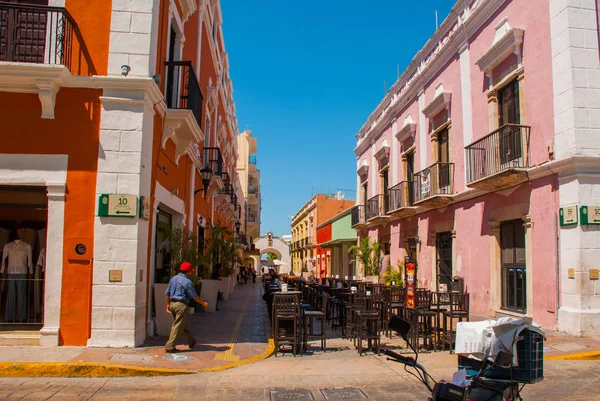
column 275, row 245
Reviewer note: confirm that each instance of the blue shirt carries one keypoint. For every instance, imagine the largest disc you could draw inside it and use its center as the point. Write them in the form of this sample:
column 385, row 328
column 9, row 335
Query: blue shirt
column 180, row 289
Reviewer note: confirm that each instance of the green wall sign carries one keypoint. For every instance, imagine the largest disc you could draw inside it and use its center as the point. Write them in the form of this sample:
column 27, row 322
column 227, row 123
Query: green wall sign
column 568, row 215
column 590, row 215
column 117, row 205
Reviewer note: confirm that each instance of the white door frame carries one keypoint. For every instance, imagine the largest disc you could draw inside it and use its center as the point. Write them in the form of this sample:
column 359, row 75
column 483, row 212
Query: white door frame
column 48, row 171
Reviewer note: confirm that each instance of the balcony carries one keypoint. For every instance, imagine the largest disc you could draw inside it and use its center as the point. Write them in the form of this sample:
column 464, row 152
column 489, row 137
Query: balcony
column 184, row 107
column 434, row 186
column 402, row 198
column 40, row 49
column 377, row 208
column 500, row 159
column 251, row 219
column 213, row 160
column 358, row 217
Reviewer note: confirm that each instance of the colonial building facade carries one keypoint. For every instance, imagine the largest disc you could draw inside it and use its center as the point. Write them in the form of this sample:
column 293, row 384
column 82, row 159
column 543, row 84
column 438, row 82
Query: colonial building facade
column 483, row 158
column 317, row 210
column 119, row 125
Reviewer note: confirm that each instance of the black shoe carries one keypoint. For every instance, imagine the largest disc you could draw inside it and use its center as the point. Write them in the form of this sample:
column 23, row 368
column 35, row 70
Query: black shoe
column 171, row 350
column 217, row 309
column 192, row 344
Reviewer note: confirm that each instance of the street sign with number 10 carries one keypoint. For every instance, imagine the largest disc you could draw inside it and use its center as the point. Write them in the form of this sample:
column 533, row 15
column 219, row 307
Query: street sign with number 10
column 117, row 205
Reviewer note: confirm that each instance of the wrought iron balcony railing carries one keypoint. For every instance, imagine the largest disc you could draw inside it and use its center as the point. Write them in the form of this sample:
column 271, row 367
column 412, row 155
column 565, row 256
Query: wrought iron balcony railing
column 214, row 160
column 502, row 149
column 358, row 215
column 401, row 195
column 377, row 206
column 182, row 89
column 37, row 34
column 437, row 179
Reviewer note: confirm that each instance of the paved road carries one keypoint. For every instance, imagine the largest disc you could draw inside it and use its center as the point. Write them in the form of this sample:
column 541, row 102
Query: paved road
column 377, row 378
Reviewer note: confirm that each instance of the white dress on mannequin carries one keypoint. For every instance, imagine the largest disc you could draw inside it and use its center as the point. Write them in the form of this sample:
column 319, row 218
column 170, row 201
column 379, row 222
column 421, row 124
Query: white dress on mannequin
column 18, row 255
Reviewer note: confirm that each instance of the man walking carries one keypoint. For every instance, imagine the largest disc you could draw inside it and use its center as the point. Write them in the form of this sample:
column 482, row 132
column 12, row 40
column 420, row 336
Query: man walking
column 178, row 295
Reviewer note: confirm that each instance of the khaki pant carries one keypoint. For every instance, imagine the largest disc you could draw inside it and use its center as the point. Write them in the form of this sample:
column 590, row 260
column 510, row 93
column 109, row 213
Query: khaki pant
column 179, row 328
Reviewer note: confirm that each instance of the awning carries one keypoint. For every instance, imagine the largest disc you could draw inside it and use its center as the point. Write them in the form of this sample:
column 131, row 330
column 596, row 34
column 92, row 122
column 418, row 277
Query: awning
column 338, row 243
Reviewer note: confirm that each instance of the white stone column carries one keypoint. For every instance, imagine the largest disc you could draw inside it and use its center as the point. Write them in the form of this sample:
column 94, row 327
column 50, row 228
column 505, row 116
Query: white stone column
column 467, row 107
column 49, row 334
column 576, row 85
column 395, row 154
column 131, row 39
column 422, row 132
column 124, row 163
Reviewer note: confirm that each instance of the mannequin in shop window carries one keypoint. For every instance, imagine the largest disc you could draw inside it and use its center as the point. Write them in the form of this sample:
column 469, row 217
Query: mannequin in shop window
column 16, row 260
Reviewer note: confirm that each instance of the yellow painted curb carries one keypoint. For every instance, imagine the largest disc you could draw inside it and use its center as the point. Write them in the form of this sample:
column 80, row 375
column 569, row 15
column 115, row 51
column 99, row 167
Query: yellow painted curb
column 82, row 369
column 267, row 353
column 583, row 356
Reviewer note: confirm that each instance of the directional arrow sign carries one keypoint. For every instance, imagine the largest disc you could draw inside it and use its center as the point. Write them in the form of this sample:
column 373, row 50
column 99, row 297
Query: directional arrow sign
column 117, row 205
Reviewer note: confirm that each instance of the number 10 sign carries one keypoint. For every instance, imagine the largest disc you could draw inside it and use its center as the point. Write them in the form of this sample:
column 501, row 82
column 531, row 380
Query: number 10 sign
column 117, row 205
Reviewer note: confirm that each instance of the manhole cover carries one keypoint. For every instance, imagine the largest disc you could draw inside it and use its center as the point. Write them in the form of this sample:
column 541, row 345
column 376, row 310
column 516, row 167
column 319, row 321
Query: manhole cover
column 343, row 394
column 178, row 357
column 298, row 394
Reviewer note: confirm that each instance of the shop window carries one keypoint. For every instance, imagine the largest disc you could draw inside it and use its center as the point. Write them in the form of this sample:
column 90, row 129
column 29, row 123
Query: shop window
column 23, row 223
column 162, row 256
column 512, row 243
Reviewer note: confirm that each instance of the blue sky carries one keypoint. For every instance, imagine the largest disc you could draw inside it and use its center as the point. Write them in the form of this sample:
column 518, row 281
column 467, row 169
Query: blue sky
column 306, row 75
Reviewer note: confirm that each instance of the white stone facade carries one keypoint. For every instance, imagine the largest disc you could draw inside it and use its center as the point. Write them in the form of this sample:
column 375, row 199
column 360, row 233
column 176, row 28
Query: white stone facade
column 576, row 74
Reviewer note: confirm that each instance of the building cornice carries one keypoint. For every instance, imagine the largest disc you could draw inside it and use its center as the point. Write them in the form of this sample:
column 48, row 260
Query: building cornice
column 463, row 21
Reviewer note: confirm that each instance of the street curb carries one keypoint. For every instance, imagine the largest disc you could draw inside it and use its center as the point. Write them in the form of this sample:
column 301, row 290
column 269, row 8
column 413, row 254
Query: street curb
column 267, row 353
column 96, row 369
column 82, row 369
column 583, row 356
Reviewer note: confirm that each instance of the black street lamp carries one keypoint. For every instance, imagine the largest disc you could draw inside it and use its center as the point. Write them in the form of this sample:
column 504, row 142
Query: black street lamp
column 206, row 174
column 237, row 226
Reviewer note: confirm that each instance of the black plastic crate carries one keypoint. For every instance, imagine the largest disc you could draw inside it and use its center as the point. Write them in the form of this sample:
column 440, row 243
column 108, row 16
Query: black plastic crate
column 530, row 352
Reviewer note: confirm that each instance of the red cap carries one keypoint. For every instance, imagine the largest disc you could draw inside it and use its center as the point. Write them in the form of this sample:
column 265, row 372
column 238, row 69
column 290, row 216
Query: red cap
column 186, row 267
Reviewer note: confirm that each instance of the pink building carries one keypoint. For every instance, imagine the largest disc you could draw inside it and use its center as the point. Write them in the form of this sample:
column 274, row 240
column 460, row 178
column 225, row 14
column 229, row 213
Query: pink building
column 481, row 158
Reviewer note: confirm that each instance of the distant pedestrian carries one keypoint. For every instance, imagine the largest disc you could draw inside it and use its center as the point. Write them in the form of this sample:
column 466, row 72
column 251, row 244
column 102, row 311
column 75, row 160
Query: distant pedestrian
column 253, row 275
column 179, row 294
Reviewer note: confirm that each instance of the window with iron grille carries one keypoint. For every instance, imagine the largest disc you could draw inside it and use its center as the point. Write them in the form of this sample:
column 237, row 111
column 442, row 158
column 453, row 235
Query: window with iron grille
column 444, row 258
column 514, row 286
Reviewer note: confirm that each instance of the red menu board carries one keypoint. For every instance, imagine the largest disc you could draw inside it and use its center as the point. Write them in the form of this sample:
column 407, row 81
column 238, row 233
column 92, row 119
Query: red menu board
column 410, row 268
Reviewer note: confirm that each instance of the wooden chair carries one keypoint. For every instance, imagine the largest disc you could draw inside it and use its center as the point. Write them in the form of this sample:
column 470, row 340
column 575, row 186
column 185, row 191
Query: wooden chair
column 459, row 309
column 286, row 310
column 309, row 317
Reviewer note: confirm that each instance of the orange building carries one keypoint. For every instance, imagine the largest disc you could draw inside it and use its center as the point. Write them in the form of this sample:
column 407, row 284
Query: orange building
column 119, row 122
column 304, row 249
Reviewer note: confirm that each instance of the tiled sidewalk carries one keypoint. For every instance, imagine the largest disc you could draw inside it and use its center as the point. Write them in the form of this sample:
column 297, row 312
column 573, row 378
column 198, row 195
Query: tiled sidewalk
column 230, row 337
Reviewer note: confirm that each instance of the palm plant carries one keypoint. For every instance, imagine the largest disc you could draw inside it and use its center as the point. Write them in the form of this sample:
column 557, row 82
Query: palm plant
column 368, row 254
column 181, row 245
column 221, row 249
column 396, row 276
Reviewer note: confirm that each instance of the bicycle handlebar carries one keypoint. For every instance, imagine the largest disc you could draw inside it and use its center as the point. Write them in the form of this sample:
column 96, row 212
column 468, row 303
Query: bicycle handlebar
column 410, row 361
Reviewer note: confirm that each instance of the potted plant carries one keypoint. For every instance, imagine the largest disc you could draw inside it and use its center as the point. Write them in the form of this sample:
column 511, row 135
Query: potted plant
column 394, row 276
column 368, row 254
column 224, row 254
